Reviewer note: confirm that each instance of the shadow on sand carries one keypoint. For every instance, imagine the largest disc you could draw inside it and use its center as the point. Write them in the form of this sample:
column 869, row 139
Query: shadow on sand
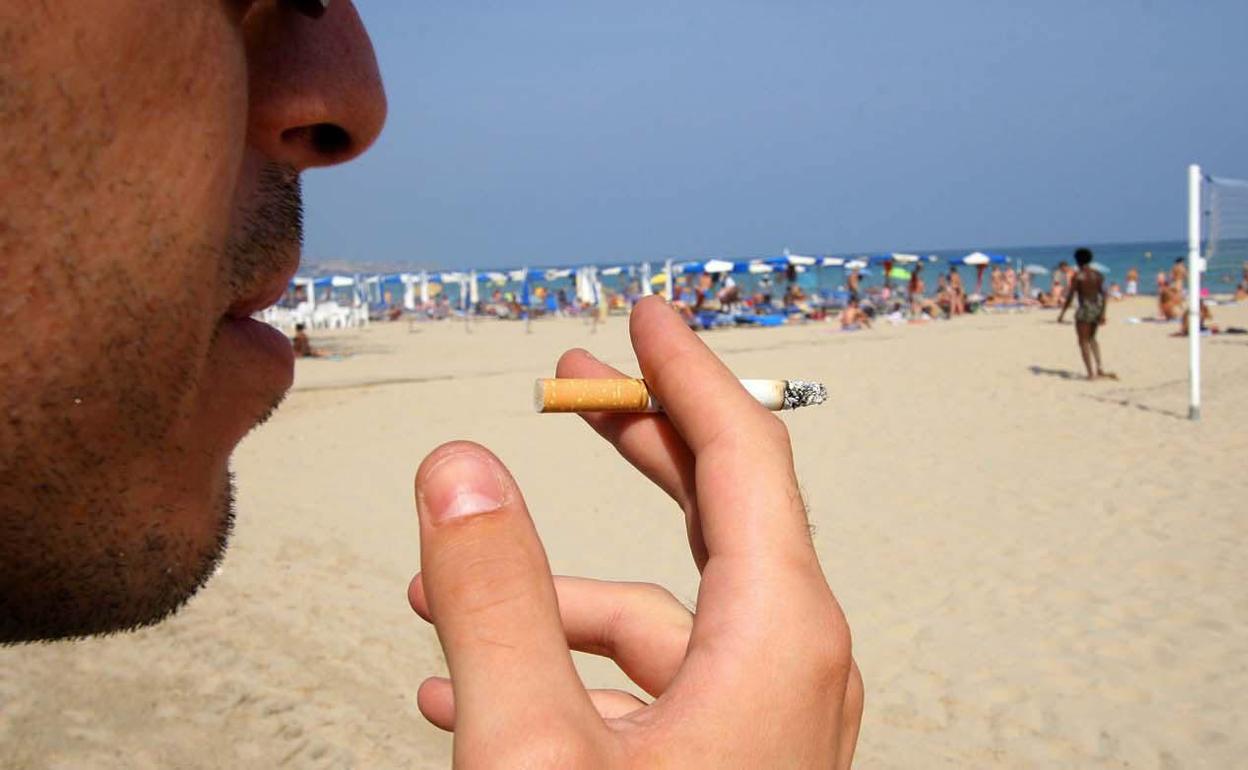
column 1123, row 397
column 1061, row 374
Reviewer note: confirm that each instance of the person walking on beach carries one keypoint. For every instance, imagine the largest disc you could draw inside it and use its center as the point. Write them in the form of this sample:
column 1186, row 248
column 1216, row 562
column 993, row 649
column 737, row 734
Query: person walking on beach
column 154, row 151
column 1089, row 285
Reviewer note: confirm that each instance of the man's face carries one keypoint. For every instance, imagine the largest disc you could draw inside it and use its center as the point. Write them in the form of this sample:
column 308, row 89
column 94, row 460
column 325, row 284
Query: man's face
column 149, row 203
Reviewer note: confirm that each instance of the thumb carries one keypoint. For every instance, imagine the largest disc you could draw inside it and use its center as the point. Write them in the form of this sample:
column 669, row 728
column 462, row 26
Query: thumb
column 492, row 597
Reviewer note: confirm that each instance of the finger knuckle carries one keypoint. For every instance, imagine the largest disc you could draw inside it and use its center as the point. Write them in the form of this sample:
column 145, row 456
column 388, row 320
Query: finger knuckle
column 650, row 604
column 544, row 747
column 830, row 654
column 649, row 595
column 776, row 430
column 855, row 694
column 483, row 582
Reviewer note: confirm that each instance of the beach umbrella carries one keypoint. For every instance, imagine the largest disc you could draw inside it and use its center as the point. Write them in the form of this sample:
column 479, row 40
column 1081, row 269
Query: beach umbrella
column 831, row 262
column 309, row 289
column 526, row 295
column 667, row 282
column 979, row 259
column 645, row 280
column 855, row 264
column 899, row 274
column 1036, row 270
column 798, row 259
column 717, row 266
column 893, row 257
column 647, row 288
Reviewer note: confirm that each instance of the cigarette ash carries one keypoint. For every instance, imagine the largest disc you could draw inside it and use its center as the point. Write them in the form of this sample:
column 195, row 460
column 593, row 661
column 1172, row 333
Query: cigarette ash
column 799, row 393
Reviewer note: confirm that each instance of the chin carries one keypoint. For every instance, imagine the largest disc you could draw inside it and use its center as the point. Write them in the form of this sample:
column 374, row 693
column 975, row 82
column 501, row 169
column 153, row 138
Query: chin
column 93, row 583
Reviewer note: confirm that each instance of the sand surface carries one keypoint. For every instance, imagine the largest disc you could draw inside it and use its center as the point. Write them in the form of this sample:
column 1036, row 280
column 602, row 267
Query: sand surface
column 1039, row 571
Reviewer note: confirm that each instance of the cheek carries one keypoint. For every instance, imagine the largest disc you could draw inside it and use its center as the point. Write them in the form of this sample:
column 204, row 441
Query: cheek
column 125, row 142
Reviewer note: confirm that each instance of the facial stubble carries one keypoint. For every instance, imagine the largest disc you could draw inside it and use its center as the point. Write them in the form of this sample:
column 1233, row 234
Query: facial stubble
column 76, row 566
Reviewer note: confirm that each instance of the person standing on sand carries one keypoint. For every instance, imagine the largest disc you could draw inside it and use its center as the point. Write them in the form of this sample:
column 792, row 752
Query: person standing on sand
column 914, row 290
column 1090, row 286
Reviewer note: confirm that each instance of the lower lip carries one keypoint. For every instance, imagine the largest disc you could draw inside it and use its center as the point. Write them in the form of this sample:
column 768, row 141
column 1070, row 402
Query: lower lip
column 270, row 355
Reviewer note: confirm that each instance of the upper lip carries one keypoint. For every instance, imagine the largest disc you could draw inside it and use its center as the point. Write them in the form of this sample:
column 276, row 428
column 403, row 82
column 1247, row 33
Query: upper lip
column 264, row 295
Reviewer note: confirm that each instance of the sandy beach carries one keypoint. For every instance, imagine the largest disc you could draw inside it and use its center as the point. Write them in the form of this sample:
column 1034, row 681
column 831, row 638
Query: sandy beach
column 1039, row 571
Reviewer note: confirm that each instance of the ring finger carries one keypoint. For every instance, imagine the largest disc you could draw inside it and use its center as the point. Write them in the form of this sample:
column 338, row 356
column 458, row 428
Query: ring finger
column 640, row 626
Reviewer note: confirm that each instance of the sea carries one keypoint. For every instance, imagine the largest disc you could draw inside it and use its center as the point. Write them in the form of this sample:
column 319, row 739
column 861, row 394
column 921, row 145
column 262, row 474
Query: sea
column 1225, row 266
column 1227, row 262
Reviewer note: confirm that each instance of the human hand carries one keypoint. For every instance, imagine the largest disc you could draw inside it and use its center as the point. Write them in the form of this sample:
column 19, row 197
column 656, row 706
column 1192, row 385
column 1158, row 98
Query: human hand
column 760, row 676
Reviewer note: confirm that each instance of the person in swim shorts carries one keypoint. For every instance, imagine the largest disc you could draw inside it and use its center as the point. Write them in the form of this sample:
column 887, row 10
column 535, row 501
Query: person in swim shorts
column 1090, row 286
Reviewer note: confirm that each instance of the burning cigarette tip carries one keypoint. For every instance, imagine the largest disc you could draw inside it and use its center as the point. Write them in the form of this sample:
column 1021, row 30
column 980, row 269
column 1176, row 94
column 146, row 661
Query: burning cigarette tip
column 799, row 393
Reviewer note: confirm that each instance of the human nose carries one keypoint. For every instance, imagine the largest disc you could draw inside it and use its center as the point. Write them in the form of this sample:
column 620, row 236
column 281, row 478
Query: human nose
column 315, row 93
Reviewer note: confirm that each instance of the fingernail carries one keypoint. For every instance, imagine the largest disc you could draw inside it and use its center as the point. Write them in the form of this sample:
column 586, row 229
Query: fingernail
column 463, row 484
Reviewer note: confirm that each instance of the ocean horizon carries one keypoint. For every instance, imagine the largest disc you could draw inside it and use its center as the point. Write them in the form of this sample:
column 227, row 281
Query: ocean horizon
column 1149, row 257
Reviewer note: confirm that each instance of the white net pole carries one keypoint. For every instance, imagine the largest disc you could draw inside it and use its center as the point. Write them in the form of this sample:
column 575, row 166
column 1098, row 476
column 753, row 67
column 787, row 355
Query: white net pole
column 1194, row 180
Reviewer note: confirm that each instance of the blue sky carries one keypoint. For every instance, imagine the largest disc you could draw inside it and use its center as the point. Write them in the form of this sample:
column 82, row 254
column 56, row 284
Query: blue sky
column 554, row 131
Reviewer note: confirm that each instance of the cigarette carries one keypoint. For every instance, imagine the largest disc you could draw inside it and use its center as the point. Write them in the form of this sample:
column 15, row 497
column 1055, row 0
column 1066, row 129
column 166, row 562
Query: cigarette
column 628, row 395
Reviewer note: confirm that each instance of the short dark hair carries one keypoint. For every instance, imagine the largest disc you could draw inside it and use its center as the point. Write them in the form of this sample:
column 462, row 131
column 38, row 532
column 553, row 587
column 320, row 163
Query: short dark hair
column 1083, row 257
column 298, row 327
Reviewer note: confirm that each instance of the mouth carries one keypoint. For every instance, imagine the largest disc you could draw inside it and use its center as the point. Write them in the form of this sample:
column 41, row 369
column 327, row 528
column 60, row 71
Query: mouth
column 266, row 295
column 270, row 356
column 251, row 365
column 259, row 354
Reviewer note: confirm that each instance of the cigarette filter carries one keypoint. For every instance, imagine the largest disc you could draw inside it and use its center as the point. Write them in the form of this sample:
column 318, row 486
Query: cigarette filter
column 630, row 395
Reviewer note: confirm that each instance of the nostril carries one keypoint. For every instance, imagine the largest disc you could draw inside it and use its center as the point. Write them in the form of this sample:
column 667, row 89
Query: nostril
column 330, row 139
column 326, row 139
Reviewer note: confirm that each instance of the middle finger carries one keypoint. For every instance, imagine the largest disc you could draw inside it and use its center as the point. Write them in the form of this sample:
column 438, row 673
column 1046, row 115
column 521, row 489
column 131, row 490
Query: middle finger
column 649, row 442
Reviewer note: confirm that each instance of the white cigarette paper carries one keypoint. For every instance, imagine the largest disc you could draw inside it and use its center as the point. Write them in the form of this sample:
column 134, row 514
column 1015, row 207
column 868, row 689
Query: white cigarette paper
column 553, row 396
